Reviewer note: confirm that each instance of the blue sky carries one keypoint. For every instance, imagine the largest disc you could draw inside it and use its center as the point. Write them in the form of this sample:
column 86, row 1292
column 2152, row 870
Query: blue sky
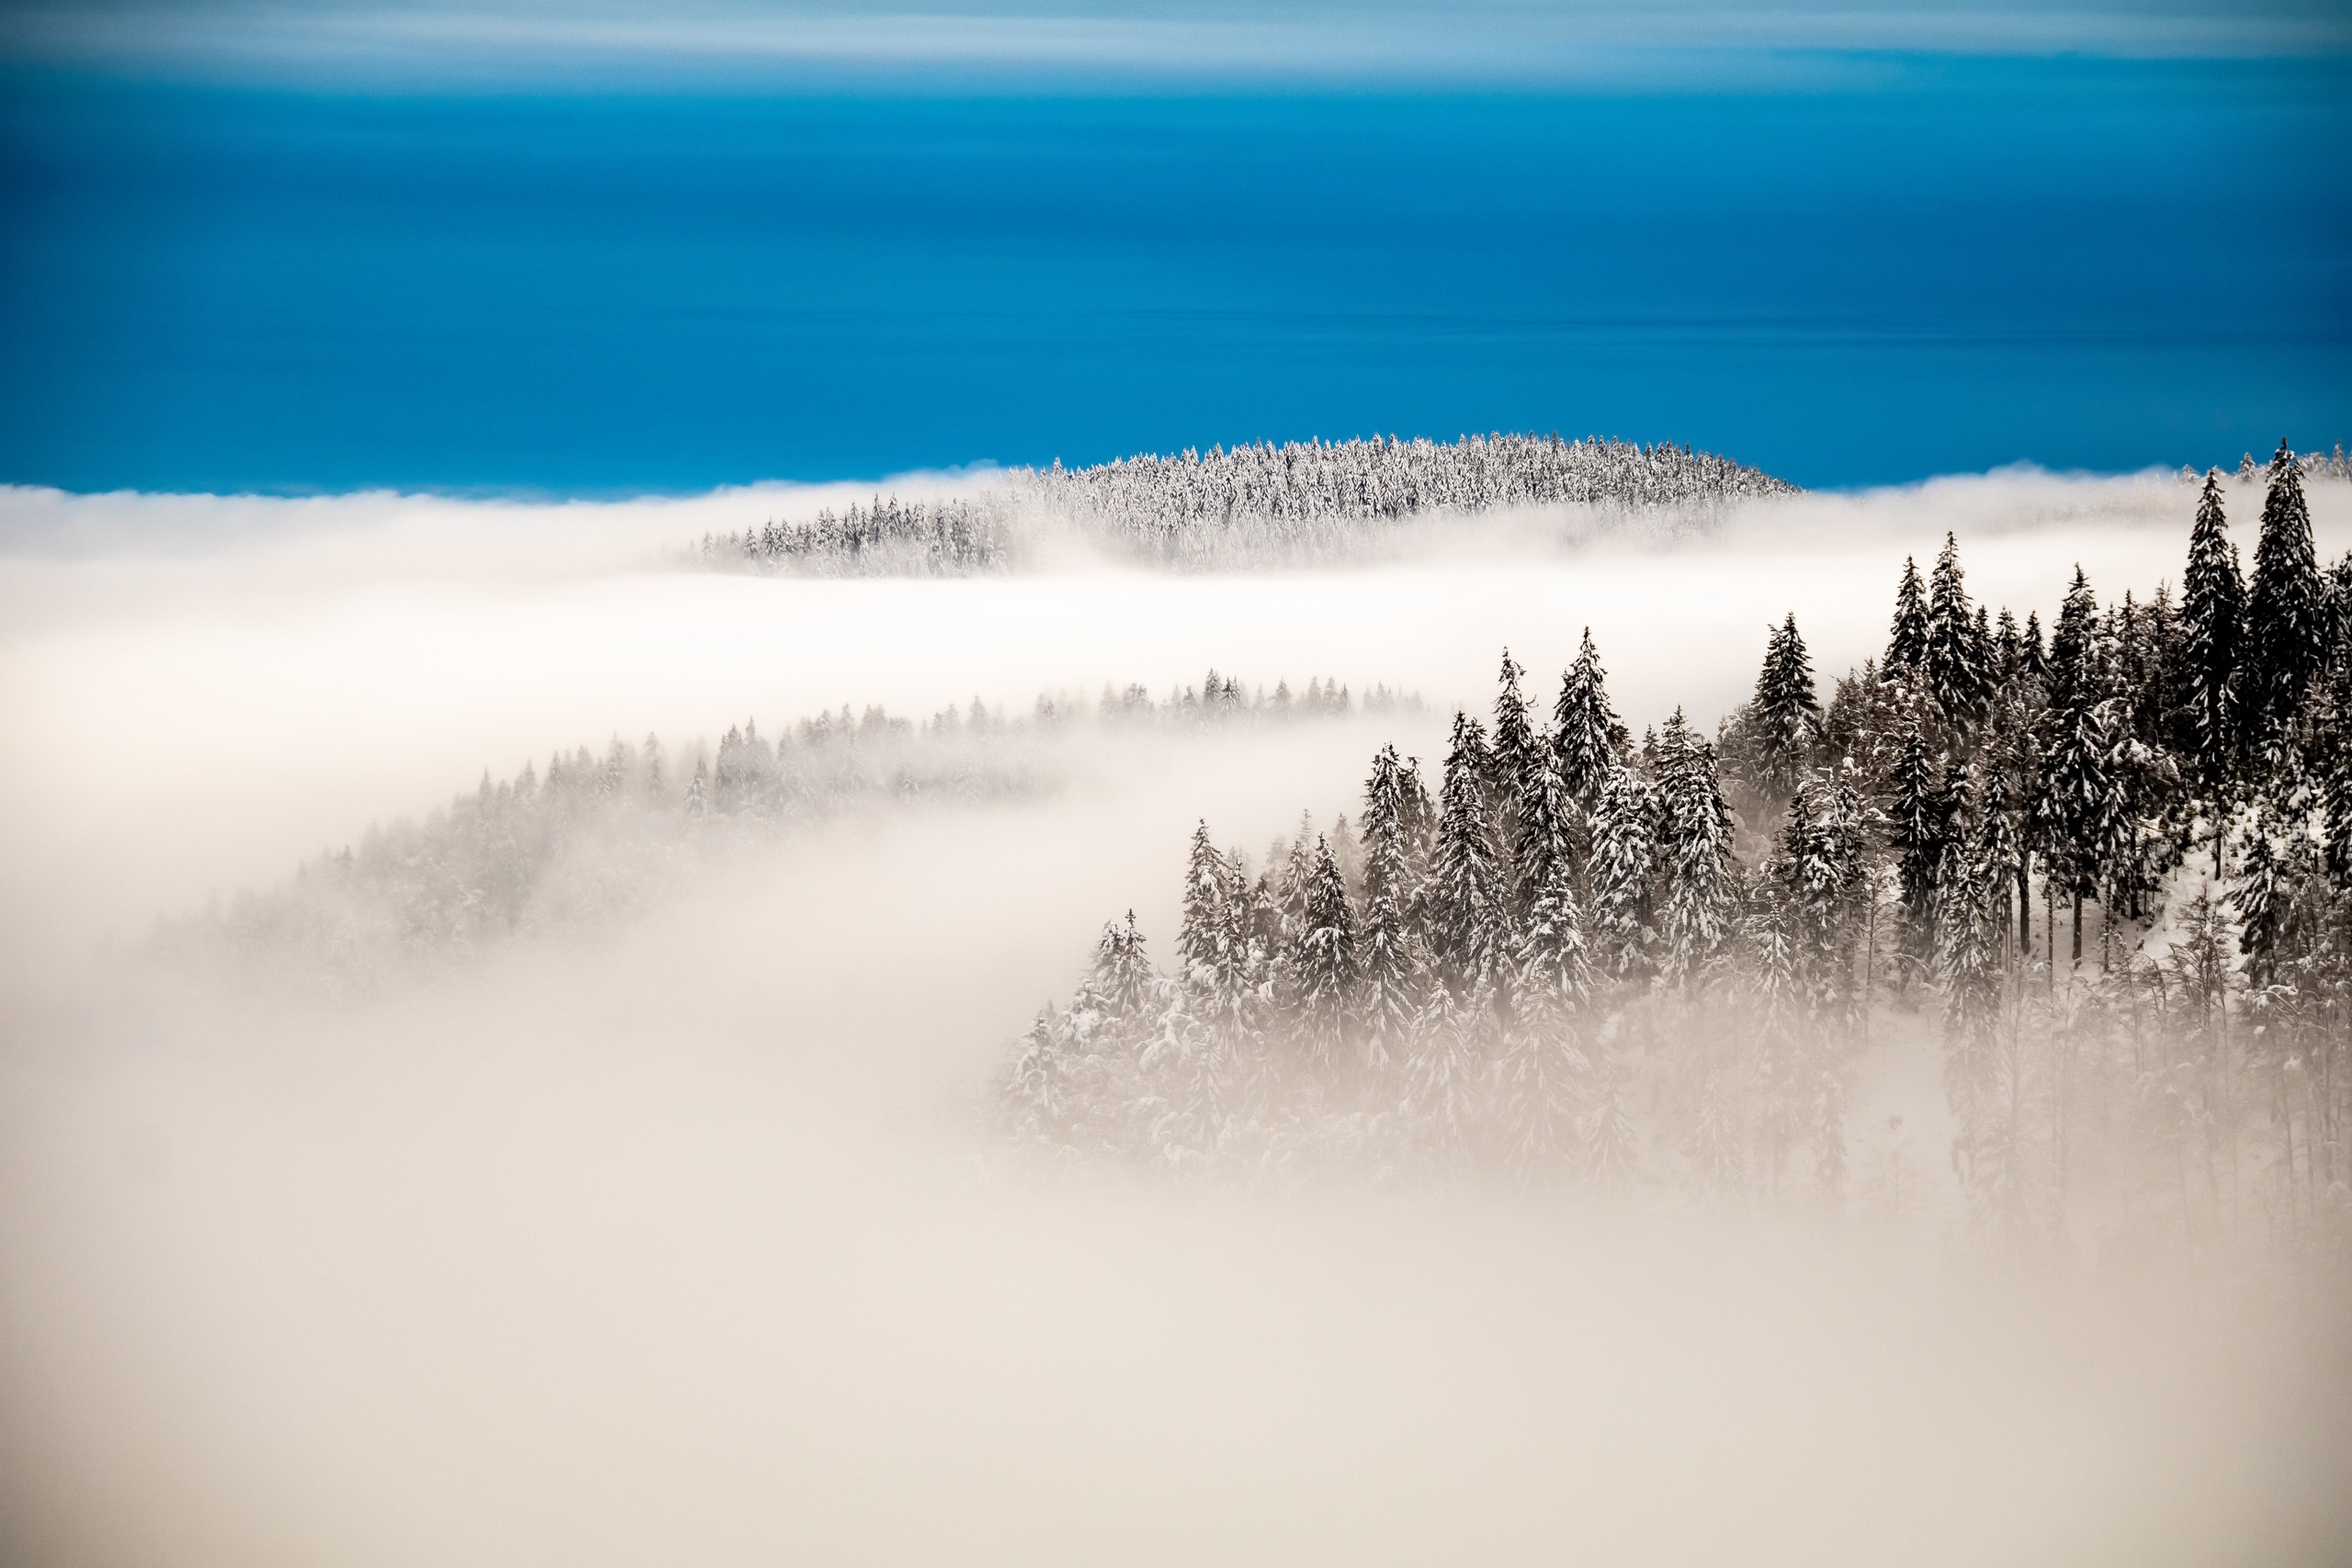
column 577, row 249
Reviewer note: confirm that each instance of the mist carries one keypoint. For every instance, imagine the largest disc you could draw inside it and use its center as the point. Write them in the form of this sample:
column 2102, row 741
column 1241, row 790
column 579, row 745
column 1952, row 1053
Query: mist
column 688, row 1235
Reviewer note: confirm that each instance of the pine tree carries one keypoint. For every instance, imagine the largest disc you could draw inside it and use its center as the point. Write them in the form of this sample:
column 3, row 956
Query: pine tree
column 1549, row 831
column 2081, row 802
column 1918, row 843
column 2259, row 900
column 1701, row 890
column 1469, row 917
column 697, row 790
column 2213, row 614
column 1584, row 728
column 1200, row 937
column 1956, row 664
column 1623, row 861
column 2283, row 635
column 1122, row 974
column 1787, row 714
column 1389, row 964
column 1326, row 962
column 1511, row 769
column 1907, row 645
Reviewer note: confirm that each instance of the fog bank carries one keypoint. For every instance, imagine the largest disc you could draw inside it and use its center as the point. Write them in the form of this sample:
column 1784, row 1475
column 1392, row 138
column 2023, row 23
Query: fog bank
column 688, row 1239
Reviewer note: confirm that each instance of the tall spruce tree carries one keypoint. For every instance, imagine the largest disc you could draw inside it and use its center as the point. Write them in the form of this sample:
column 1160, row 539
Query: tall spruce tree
column 1918, row 844
column 1788, row 714
column 1625, row 860
column 1512, row 767
column 2283, row 611
column 1326, row 962
column 1702, row 887
column 1584, row 728
column 1388, row 962
column 1959, row 678
column 2213, row 618
column 1200, row 933
column 1907, row 641
column 1469, row 909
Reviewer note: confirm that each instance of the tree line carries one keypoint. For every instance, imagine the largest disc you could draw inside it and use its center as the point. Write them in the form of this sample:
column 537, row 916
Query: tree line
column 2105, row 869
column 1252, row 504
column 594, row 834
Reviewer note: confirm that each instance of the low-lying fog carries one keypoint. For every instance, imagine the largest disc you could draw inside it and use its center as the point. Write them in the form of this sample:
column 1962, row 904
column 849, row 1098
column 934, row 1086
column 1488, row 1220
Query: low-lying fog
column 683, row 1239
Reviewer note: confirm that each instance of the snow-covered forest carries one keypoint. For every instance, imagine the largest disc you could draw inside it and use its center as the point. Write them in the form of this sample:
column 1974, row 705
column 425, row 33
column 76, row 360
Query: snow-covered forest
column 2103, row 869
column 597, row 834
column 1259, row 505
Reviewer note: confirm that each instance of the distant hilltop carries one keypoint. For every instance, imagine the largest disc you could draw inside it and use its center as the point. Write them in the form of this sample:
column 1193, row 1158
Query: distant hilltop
column 1296, row 503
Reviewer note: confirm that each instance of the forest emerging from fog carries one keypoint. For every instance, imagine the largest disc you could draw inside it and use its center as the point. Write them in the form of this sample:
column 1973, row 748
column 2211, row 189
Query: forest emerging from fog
column 1295, row 505
column 2103, row 868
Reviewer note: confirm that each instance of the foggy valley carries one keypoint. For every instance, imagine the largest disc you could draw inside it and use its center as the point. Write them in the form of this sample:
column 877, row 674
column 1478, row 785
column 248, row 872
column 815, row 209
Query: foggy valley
column 403, row 1162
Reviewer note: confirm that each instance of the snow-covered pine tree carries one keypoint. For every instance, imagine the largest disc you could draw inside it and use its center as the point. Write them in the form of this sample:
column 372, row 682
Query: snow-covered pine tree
column 1469, row 905
column 1200, row 935
column 1551, row 828
column 1701, row 887
column 2283, row 637
column 1958, row 666
column 1512, row 764
column 1124, row 978
column 1787, row 713
column 1907, row 641
column 1625, row 860
column 1584, row 728
column 697, row 790
column 1918, row 845
column 2081, row 802
column 2212, row 617
column 2259, row 898
column 1325, row 963
column 1997, row 850
column 1389, row 964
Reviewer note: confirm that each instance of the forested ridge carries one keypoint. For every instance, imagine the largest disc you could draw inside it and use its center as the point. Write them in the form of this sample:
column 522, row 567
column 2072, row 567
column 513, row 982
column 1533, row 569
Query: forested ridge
column 595, row 834
column 2103, row 869
column 1300, row 502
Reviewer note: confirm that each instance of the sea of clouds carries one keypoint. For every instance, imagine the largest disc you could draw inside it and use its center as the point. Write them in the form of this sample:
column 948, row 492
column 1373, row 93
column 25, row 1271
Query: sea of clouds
column 684, row 1239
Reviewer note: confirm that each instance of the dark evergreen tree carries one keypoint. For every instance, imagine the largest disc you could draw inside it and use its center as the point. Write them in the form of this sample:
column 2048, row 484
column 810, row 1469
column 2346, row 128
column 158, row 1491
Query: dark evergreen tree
column 2035, row 658
column 1512, row 767
column 1907, row 643
column 1388, row 962
column 2213, row 615
column 1469, row 911
column 1787, row 715
column 1695, row 838
column 2260, row 902
column 1325, row 962
column 1958, row 666
column 2283, row 633
column 1918, row 844
column 1585, row 730
column 1625, row 860
column 1200, row 936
